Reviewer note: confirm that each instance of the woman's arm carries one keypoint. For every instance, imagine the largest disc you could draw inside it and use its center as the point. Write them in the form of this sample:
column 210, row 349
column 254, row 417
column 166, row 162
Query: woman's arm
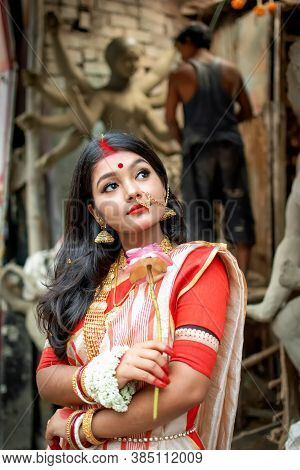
column 55, row 384
column 143, row 362
column 186, row 389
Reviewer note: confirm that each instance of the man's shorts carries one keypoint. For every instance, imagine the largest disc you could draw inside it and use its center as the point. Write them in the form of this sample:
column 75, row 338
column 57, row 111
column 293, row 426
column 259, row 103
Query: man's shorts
column 217, row 172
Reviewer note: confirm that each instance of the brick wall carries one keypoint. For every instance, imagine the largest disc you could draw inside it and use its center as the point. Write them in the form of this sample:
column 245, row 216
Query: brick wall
column 152, row 22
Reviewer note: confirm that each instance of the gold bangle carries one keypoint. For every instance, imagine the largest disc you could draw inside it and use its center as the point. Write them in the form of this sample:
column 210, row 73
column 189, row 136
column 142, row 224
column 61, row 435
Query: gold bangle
column 82, row 383
column 68, row 429
column 74, row 382
column 87, row 427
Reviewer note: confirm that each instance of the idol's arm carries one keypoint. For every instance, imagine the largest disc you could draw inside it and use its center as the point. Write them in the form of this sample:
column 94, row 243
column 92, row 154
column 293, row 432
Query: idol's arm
column 186, row 389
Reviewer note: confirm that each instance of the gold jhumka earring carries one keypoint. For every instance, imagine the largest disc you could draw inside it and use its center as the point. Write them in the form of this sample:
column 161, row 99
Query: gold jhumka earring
column 103, row 236
column 168, row 211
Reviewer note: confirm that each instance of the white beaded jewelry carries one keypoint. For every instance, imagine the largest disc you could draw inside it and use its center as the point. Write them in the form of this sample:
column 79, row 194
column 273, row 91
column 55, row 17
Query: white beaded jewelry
column 156, row 438
column 101, row 382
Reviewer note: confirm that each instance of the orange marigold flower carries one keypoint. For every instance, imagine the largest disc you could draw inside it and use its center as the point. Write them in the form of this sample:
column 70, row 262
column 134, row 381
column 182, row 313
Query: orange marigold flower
column 272, row 6
column 238, row 4
column 259, row 10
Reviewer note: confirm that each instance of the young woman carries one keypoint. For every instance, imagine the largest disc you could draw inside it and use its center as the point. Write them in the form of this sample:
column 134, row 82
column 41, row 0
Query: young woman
column 102, row 359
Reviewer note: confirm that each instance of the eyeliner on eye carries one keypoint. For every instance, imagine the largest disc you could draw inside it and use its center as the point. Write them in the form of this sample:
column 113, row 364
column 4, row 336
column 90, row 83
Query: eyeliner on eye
column 106, row 186
column 143, row 170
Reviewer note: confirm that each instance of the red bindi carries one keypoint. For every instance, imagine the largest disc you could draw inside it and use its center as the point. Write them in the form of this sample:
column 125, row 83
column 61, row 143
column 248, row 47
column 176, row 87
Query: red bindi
column 120, row 165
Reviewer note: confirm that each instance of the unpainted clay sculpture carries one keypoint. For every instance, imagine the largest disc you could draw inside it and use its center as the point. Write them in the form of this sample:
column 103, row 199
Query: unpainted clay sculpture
column 34, row 276
column 122, row 104
column 286, row 263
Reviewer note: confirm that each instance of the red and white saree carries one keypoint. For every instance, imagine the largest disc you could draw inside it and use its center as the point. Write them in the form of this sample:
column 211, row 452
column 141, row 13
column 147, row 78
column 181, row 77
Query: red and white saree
column 202, row 303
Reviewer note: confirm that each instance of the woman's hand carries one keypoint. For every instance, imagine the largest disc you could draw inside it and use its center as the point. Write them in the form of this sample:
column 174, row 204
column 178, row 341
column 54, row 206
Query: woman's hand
column 56, row 426
column 145, row 362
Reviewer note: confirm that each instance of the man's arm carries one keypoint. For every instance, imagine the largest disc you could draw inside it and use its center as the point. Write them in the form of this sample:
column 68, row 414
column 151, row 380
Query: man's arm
column 245, row 112
column 173, row 99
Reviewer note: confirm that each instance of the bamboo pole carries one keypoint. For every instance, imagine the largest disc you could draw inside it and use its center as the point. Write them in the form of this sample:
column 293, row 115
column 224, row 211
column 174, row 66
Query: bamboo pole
column 274, row 383
column 32, row 148
column 279, row 155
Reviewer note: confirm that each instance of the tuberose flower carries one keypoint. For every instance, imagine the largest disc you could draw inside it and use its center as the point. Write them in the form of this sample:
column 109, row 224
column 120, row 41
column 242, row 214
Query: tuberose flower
column 149, row 263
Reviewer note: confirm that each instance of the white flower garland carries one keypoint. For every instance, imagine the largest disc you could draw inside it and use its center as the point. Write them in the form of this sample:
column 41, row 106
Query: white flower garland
column 101, row 382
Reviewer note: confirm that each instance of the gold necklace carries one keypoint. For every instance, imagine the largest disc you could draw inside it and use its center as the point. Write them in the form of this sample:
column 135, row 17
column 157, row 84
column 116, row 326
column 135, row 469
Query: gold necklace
column 165, row 245
column 96, row 321
column 119, row 264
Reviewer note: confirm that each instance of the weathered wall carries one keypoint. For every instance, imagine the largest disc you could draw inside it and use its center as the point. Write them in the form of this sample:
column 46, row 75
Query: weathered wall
column 245, row 42
column 152, row 23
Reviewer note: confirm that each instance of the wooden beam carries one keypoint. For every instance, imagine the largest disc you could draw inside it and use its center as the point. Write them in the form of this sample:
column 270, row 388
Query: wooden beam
column 258, row 357
column 274, row 383
column 252, row 432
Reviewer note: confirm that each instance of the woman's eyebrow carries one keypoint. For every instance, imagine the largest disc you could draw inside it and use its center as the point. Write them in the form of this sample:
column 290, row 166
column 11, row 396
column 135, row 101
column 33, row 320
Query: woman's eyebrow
column 113, row 173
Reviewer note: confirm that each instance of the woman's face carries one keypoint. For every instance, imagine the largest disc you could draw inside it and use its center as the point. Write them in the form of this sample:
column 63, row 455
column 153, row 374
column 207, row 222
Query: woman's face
column 119, row 182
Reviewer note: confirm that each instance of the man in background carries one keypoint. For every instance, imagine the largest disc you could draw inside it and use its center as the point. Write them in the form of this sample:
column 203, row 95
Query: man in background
column 214, row 166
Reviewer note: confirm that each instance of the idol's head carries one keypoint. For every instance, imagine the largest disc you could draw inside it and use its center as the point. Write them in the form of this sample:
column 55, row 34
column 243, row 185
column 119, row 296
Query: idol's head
column 122, row 56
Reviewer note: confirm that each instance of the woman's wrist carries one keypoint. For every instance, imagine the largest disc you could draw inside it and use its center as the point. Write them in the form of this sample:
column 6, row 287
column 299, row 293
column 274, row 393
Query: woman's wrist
column 96, row 427
column 101, row 381
column 122, row 381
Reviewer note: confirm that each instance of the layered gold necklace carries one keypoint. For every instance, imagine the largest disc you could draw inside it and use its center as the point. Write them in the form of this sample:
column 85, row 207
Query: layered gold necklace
column 96, row 321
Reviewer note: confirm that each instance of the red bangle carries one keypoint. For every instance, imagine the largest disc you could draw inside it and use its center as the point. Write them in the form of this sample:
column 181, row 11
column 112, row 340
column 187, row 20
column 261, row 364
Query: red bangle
column 72, row 436
column 78, row 377
column 79, row 384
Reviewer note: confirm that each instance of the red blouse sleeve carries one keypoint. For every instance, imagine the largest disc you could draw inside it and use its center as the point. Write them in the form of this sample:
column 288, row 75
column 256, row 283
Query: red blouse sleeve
column 49, row 358
column 199, row 313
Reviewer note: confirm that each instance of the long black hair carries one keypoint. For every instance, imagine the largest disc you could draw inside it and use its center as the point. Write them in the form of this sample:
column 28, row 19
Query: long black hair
column 72, row 289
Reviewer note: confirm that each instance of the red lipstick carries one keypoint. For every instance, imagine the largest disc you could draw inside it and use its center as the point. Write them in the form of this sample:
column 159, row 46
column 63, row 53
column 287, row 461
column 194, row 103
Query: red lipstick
column 136, row 209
